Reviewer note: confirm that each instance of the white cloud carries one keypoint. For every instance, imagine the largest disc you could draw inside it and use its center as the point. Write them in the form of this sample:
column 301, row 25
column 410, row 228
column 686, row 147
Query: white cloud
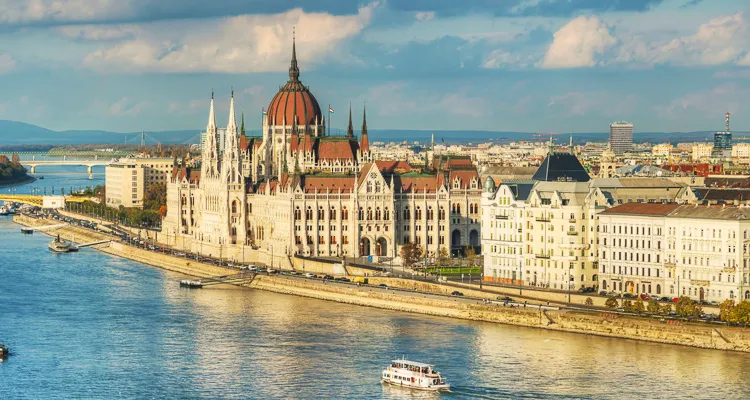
column 424, row 16
column 241, row 44
column 398, row 98
column 745, row 61
column 710, row 103
column 30, row 11
column 742, row 73
column 99, row 32
column 7, row 63
column 24, row 100
column 577, row 104
column 500, row 58
column 578, row 43
column 125, row 107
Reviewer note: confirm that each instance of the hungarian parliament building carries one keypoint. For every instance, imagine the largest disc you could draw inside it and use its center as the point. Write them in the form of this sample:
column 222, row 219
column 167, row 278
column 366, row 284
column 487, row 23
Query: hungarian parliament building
column 295, row 191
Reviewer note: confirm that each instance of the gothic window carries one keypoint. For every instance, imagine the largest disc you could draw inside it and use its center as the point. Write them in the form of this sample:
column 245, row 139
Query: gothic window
column 361, row 214
column 321, row 213
column 333, row 214
column 309, row 213
column 234, row 207
column 418, row 213
column 297, row 214
column 430, row 213
column 441, row 213
column 377, row 187
column 250, row 208
column 369, row 187
column 369, row 213
column 344, row 213
column 377, row 214
column 386, row 214
column 407, row 214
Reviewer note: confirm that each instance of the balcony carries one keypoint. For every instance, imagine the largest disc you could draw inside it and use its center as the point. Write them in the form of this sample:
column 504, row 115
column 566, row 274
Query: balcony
column 670, row 265
column 572, row 233
column 542, row 256
column 501, row 217
column 542, row 219
column 572, row 220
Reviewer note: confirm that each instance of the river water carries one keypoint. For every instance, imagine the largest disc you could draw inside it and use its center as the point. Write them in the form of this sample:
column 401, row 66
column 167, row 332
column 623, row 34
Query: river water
column 88, row 325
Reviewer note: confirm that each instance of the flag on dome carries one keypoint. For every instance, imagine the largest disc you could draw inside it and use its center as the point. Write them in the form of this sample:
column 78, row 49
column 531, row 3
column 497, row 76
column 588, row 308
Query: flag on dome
column 265, row 112
column 330, row 109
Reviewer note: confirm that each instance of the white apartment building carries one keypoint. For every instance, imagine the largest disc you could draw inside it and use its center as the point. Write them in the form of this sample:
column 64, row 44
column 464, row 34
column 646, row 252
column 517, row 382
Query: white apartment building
column 702, row 152
column 676, row 250
column 662, row 150
column 741, row 153
column 124, row 184
column 127, row 179
column 544, row 232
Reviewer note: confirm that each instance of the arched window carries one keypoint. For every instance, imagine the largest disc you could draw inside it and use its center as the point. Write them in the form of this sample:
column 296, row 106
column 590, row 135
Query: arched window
column 441, row 213
column 250, row 208
column 321, row 213
column 309, row 213
column 297, row 214
column 369, row 213
column 361, row 214
column 344, row 214
column 369, row 187
column 234, row 207
column 407, row 214
column 430, row 213
column 332, row 214
column 386, row 214
column 377, row 214
column 418, row 213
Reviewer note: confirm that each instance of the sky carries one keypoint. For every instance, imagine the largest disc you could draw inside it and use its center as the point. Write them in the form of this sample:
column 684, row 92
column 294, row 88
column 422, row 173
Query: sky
column 549, row 66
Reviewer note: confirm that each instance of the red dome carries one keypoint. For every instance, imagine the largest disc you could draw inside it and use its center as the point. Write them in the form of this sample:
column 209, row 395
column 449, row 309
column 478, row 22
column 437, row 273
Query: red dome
column 294, row 98
column 291, row 98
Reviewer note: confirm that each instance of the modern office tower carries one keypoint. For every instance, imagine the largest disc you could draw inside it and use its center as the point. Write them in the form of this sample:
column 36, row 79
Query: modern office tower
column 621, row 137
column 723, row 140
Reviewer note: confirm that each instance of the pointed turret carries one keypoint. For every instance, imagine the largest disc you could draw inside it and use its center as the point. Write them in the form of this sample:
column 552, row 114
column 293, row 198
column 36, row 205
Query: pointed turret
column 364, row 142
column 293, row 68
column 350, row 129
column 232, row 124
column 242, row 124
column 211, row 116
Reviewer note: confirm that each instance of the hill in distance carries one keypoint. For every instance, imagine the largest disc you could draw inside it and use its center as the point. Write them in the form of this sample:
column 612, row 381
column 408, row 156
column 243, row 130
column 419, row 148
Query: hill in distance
column 21, row 133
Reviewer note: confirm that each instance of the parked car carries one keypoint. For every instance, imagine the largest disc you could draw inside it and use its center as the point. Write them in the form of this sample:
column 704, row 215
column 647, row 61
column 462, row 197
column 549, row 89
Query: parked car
column 665, row 298
column 505, row 298
column 383, row 285
column 456, row 293
column 243, row 267
column 329, row 277
column 252, row 268
column 341, row 279
column 629, row 296
column 271, row 271
column 644, row 296
column 603, row 293
column 309, row 275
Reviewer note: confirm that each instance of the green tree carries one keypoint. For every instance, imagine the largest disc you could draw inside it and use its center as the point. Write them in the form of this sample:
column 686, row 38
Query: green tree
column 155, row 196
column 471, row 255
column 627, row 305
column 653, row 307
column 742, row 312
column 443, row 257
column 686, row 307
column 666, row 308
column 410, row 254
column 727, row 311
column 589, row 301
column 611, row 303
column 638, row 306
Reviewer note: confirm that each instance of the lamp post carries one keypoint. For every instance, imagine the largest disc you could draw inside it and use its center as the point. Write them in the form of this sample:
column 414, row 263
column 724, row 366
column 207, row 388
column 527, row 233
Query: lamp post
column 569, row 279
column 520, row 280
column 271, row 256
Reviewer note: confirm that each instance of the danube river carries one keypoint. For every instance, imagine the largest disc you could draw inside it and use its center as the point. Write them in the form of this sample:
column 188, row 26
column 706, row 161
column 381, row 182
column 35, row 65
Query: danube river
column 88, row 325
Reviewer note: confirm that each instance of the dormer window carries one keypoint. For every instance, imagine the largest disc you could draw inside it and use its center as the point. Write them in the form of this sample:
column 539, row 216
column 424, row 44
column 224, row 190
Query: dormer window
column 457, row 183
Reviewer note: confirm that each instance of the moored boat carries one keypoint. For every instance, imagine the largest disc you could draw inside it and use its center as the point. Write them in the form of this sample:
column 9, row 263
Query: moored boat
column 4, row 351
column 58, row 245
column 414, row 375
column 191, row 284
column 27, row 231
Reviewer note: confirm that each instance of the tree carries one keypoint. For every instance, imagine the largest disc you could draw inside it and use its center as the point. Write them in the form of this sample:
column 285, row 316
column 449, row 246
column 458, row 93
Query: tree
column 666, row 308
column 638, row 306
column 686, row 307
column 155, row 196
column 443, row 257
column 627, row 305
column 163, row 211
column 471, row 255
column 410, row 254
column 611, row 303
column 727, row 311
column 589, row 301
column 653, row 307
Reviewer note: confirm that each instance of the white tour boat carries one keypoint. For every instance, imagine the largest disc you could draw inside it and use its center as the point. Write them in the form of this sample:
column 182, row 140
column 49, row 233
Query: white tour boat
column 414, row 375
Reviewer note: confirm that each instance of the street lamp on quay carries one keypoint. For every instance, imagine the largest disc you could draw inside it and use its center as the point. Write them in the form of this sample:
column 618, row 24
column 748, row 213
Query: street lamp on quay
column 570, row 278
column 520, row 279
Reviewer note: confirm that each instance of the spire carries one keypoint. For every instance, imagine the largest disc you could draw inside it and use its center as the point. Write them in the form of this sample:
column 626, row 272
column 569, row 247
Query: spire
column 350, row 129
column 293, row 68
column 211, row 115
column 242, row 125
column 364, row 143
column 232, row 119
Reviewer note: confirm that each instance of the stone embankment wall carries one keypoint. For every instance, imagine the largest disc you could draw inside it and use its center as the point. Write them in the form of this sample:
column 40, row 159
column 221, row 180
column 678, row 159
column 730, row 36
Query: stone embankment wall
column 601, row 324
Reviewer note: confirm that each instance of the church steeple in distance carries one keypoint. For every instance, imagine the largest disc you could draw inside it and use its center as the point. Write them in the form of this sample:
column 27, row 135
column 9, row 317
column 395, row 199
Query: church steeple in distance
column 350, row 129
column 293, row 68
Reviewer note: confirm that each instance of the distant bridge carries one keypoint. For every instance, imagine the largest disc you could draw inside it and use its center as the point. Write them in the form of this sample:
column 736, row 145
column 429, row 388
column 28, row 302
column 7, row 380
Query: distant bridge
column 38, row 200
column 32, row 164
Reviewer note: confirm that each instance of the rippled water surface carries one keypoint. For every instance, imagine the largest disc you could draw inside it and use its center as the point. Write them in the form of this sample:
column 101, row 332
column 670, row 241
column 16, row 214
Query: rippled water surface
column 88, row 325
